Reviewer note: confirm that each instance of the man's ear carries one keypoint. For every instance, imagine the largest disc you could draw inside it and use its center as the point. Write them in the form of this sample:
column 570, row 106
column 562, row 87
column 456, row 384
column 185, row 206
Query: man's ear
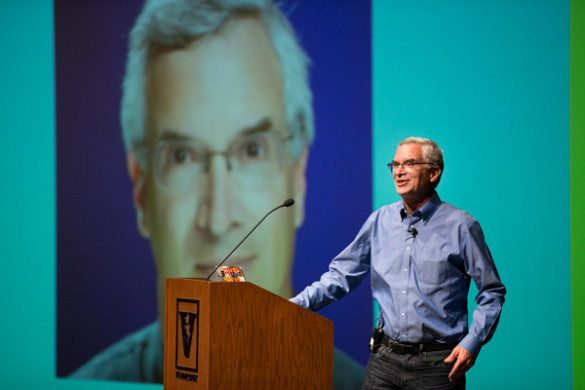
column 435, row 173
column 300, row 186
column 138, row 177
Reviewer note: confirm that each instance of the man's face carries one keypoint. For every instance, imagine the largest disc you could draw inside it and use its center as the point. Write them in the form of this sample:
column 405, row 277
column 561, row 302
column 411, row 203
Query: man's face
column 222, row 92
column 415, row 183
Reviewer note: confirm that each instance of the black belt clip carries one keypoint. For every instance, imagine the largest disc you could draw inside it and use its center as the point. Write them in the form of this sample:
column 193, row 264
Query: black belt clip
column 377, row 338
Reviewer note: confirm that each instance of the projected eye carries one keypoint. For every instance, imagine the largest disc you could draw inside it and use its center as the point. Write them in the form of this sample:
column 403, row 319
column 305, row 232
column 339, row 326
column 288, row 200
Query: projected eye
column 253, row 149
column 177, row 155
column 171, row 155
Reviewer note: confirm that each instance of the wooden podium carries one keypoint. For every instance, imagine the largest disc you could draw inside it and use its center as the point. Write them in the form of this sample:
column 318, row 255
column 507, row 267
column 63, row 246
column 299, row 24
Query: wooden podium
column 222, row 335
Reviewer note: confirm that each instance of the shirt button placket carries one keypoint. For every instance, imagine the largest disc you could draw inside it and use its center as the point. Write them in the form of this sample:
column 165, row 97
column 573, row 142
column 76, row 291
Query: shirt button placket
column 403, row 297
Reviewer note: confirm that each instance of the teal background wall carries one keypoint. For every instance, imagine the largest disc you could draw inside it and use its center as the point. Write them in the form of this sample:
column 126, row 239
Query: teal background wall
column 27, row 239
column 488, row 80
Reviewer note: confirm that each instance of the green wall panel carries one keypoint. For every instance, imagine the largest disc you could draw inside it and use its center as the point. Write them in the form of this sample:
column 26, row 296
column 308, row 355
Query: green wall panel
column 578, row 188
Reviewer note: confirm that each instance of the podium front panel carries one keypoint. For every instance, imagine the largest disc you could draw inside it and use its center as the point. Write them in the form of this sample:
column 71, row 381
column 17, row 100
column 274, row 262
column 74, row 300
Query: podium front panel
column 222, row 335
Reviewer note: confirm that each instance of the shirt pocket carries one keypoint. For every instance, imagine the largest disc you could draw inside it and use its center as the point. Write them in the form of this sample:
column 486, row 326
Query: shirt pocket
column 438, row 268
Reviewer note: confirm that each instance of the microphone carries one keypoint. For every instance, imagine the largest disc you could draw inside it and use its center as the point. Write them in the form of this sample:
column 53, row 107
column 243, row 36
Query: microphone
column 287, row 203
column 413, row 231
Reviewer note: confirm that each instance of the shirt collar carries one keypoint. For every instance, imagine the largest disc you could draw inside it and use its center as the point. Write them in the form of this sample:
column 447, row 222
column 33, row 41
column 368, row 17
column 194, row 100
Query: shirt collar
column 426, row 211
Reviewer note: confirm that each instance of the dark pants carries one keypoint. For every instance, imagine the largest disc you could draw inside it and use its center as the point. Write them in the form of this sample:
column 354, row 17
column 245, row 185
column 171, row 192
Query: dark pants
column 389, row 370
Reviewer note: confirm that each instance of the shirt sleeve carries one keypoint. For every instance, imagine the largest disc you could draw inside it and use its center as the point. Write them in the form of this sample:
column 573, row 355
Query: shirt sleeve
column 491, row 291
column 346, row 271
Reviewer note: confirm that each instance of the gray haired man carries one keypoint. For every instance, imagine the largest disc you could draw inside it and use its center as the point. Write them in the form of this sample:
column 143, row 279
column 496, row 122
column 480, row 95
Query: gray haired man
column 217, row 119
column 421, row 254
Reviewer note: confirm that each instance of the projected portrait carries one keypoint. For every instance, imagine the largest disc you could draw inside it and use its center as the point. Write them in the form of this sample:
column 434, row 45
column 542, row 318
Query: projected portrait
column 217, row 126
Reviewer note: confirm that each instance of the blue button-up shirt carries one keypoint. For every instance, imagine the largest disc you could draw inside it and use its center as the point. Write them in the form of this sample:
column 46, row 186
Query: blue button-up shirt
column 421, row 267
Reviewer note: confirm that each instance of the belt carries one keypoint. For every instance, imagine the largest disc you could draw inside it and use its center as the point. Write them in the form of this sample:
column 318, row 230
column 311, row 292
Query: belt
column 414, row 349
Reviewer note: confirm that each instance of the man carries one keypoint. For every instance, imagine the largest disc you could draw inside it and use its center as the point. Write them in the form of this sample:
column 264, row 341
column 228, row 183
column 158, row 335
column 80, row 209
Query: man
column 217, row 119
column 422, row 254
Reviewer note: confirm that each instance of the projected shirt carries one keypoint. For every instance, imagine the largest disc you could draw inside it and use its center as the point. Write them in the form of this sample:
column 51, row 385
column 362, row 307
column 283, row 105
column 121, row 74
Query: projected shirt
column 421, row 268
column 139, row 357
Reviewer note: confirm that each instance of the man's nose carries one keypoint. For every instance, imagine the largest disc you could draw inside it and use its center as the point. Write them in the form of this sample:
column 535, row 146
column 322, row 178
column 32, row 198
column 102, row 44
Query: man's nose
column 219, row 210
column 398, row 170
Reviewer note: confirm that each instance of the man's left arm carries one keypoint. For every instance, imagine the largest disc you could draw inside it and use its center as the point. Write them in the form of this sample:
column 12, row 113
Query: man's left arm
column 489, row 299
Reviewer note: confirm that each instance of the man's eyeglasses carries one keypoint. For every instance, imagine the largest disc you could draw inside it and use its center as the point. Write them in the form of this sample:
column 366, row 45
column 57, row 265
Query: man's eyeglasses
column 407, row 165
column 253, row 160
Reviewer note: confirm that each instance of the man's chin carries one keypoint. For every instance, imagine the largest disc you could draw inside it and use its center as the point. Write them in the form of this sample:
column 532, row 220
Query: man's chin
column 401, row 191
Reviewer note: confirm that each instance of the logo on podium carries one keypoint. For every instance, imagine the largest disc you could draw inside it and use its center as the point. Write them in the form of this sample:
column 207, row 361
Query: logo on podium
column 187, row 338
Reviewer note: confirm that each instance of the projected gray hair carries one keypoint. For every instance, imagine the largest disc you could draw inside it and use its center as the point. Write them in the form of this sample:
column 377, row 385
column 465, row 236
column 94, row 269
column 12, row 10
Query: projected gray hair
column 173, row 24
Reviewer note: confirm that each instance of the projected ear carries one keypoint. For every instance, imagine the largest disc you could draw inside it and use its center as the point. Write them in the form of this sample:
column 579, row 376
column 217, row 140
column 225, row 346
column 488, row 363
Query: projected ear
column 138, row 177
column 300, row 186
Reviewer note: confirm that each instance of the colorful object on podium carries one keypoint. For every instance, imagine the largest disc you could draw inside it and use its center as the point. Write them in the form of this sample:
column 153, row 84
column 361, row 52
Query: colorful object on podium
column 231, row 274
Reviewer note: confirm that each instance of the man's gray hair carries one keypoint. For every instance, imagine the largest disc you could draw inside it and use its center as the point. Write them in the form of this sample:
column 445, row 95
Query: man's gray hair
column 175, row 23
column 431, row 151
